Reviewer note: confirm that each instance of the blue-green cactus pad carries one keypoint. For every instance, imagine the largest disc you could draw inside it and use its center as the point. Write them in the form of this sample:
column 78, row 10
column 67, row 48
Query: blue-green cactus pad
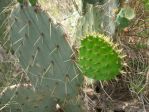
column 43, row 51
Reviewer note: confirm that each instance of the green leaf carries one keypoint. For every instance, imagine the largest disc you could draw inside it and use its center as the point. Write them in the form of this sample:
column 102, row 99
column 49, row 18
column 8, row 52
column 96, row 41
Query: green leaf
column 20, row 1
column 122, row 22
column 33, row 2
column 146, row 4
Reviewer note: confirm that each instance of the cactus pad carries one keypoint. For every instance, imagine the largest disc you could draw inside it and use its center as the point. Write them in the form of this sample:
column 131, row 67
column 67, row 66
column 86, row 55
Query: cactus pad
column 20, row 98
column 44, row 53
column 98, row 58
column 25, row 98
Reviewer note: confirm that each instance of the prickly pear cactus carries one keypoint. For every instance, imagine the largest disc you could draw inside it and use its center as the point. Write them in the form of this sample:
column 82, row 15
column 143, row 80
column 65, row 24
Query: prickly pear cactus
column 45, row 55
column 43, row 50
column 97, row 18
column 98, row 58
column 90, row 22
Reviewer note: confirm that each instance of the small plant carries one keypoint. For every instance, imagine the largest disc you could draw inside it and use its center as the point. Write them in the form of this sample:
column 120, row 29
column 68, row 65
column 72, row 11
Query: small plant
column 146, row 4
column 124, row 17
column 99, row 58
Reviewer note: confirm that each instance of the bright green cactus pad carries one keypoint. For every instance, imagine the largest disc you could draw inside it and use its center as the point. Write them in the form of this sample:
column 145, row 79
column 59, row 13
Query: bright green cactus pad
column 98, row 59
